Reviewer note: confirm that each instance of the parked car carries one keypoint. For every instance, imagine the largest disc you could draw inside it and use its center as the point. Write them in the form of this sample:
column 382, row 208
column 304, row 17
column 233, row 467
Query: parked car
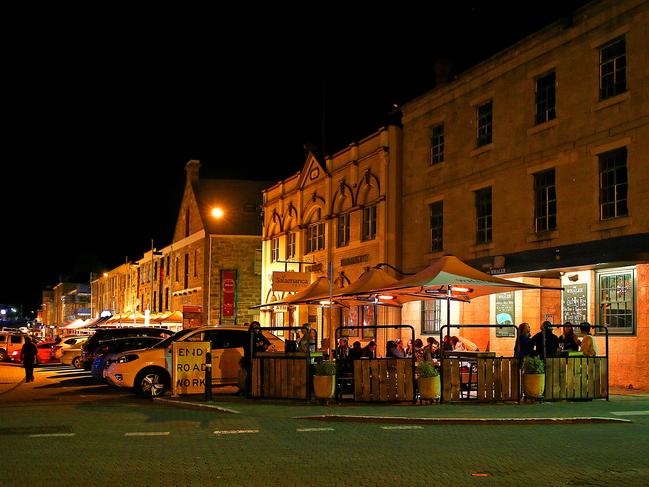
column 109, row 348
column 146, row 370
column 56, row 352
column 44, row 353
column 113, row 333
column 10, row 342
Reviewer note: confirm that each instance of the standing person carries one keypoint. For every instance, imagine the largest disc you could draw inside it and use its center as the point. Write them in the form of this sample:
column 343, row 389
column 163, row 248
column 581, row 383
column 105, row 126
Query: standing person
column 588, row 345
column 523, row 345
column 551, row 341
column 27, row 354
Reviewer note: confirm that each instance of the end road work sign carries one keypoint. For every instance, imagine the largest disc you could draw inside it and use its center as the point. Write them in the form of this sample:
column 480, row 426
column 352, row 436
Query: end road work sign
column 188, row 375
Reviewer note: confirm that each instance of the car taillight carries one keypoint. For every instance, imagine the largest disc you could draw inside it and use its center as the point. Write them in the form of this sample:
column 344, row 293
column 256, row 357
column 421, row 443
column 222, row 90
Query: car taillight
column 105, row 348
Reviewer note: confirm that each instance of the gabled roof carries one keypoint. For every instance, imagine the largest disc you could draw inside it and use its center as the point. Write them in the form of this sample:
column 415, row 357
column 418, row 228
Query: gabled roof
column 311, row 171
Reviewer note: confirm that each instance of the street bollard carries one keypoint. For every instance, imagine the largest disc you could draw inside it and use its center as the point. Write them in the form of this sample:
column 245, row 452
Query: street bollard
column 208, row 377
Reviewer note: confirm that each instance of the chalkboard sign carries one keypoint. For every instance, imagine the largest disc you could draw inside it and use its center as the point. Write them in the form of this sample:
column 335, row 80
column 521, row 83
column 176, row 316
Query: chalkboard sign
column 505, row 314
column 575, row 303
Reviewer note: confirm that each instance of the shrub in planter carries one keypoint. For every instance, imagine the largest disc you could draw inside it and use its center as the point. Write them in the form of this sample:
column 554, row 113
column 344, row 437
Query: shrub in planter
column 324, row 379
column 429, row 382
column 533, row 377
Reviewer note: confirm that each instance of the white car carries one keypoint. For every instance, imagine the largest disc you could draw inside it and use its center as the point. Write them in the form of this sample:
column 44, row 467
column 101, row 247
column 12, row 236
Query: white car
column 146, row 370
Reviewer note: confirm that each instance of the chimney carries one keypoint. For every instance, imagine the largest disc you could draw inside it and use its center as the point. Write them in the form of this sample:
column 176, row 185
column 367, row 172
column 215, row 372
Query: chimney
column 191, row 169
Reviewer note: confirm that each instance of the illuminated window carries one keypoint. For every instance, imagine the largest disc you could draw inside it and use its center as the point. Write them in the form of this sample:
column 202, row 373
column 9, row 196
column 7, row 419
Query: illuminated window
column 616, row 300
column 431, row 316
column 290, row 245
column 315, row 237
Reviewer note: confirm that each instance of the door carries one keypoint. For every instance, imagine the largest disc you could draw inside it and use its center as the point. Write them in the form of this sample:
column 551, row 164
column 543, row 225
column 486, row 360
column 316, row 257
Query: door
column 227, row 350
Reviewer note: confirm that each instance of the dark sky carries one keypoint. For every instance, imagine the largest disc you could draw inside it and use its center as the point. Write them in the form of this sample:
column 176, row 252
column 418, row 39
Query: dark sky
column 101, row 116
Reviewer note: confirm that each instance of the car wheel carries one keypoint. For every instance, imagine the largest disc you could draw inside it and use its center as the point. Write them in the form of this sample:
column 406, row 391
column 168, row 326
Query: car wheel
column 151, row 382
column 3, row 355
column 76, row 362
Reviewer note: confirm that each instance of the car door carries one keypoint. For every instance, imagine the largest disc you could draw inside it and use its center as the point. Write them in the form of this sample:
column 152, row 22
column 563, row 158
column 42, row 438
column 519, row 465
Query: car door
column 227, row 350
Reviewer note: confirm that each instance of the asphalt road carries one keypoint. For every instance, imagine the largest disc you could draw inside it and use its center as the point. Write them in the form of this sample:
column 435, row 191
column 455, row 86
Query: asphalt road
column 66, row 430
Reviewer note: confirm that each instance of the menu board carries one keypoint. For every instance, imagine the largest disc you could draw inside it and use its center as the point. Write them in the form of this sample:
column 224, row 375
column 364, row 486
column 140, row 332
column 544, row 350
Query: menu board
column 505, row 313
column 575, row 303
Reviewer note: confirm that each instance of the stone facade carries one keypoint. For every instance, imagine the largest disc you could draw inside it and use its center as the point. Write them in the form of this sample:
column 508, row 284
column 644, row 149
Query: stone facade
column 493, row 139
column 348, row 204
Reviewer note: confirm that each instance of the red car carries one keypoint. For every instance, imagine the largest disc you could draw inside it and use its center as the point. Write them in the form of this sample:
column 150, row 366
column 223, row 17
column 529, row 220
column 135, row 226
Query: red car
column 44, row 351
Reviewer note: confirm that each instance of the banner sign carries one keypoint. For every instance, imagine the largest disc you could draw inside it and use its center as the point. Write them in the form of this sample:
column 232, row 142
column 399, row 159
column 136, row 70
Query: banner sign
column 228, row 294
column 188, row 367
column 192, row 316
column 291, row 281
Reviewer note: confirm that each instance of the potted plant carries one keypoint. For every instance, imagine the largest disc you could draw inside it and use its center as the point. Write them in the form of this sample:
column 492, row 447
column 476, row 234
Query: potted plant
column 533, row 377
column 324, row 379
column 429, row 382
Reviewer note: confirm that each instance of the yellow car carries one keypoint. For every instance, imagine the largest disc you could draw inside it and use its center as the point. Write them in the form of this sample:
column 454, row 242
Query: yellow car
column 147, row 370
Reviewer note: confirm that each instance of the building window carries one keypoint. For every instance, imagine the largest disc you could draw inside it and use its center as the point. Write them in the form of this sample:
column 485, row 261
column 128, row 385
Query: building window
column 485, row 117
column 195, row 262
column 436, row 226
column 546, row 100
column 177, row 269
column 348, row 317
column 274, row 249
column 613, row 184
column 315, row 237
column 368, row 320
column 290, row 245
column 545, row 201
column 612, row 68
column 483, row 215
column 186, row 281
column 431, row 316
column 437, row 144
column 343, row 230
column 168, row 264
column 616, row 300
column 369, row 222
column 166, row 299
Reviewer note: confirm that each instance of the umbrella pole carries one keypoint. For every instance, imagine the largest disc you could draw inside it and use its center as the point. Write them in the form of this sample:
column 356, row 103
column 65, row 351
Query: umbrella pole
column 448, row 314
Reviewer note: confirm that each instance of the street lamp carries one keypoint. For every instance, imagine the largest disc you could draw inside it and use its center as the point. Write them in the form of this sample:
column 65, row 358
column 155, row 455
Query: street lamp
column 217, row 213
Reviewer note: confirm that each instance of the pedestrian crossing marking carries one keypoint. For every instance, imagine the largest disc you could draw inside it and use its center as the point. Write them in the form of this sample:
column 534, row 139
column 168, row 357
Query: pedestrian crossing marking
column 148, row 433
column 235, row 432
column 630, row 413
column 309, row 430
column 50, row 435
column 402, row 427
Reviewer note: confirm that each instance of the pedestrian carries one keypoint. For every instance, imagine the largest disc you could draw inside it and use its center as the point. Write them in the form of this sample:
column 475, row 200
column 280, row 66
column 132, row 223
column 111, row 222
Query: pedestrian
column 28, row 354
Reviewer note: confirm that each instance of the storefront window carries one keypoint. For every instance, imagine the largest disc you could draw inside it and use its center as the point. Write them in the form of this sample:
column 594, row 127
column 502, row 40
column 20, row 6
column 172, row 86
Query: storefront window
column 349, row 317
column 369, row 319
column 616, row 300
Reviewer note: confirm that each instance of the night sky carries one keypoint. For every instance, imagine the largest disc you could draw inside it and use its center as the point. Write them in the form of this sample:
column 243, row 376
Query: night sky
column 100, row 117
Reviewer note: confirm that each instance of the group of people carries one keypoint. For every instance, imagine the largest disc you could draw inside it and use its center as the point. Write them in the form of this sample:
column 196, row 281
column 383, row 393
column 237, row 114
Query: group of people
column 394, row 349
column 553, row 345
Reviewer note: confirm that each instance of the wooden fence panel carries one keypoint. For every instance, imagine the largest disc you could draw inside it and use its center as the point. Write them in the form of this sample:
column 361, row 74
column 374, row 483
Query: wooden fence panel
column 382, row 380
column 575, row 378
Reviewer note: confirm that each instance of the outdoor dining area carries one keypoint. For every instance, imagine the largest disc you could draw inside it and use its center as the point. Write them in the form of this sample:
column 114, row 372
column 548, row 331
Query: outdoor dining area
column 465, row 375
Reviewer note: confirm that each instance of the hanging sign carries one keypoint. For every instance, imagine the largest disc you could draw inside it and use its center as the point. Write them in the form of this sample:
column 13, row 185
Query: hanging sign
column 291, row 281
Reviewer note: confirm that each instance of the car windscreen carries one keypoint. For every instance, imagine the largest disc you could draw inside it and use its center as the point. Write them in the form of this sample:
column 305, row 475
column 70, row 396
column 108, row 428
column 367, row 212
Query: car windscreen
column 167, row 341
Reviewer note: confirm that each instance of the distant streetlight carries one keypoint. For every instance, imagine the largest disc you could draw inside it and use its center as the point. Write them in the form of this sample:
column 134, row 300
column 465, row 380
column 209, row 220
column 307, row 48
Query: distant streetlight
column 217, row 212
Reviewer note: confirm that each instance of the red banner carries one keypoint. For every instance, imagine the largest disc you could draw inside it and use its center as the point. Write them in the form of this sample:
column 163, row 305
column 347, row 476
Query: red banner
column 228, row 294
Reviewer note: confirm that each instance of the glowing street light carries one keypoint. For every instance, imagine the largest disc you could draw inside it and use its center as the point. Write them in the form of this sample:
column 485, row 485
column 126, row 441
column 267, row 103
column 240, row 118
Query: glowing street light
column 217, row 212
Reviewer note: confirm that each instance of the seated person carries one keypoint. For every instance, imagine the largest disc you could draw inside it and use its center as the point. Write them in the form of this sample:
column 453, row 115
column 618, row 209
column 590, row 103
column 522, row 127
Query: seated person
column 356, row 351
column 431, row 350
column 588, row 345
column 306, row 343
column 568, row 340
column 369, row 350
column 260, row 342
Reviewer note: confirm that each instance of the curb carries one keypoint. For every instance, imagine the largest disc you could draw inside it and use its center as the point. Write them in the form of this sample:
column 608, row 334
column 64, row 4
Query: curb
column 196, row 405
column 447, row 421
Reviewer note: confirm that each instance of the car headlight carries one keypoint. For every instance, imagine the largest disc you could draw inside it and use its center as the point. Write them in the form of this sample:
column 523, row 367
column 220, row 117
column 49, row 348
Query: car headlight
column 127, row 358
